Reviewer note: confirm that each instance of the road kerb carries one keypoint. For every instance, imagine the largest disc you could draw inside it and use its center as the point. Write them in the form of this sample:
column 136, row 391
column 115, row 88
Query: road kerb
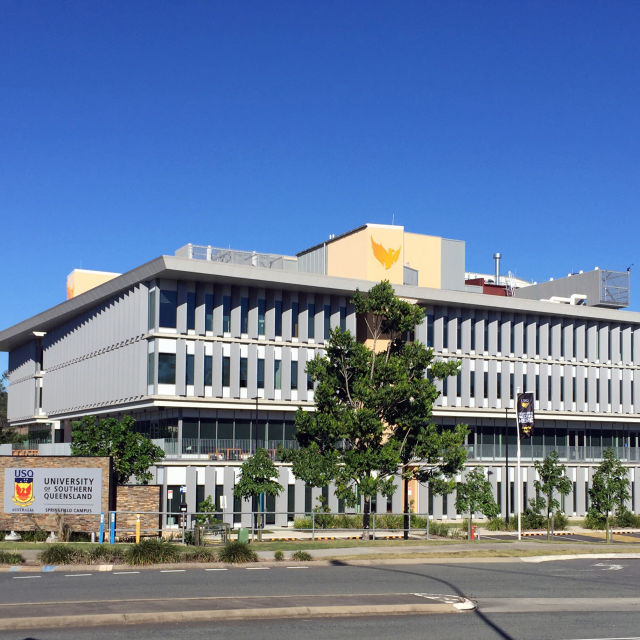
column 95, row 620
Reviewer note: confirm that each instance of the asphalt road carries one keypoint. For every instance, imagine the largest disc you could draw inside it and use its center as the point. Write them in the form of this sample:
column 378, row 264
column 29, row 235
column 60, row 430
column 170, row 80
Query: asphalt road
column 586, row 598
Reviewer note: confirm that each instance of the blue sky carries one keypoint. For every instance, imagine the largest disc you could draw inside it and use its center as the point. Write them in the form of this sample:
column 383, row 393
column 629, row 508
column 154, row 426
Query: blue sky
column 128, row 129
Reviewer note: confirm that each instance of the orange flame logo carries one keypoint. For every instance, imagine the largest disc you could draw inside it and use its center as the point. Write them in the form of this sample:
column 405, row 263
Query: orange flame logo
column 386, row 257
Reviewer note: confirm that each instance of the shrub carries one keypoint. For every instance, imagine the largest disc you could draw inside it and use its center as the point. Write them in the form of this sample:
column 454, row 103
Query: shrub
column 498, row 524
column 560, row 521
column 39, row 535
column 104, row 554
column 302, row 556
column 62, row 554
column 437, row 528
column 7, row 557
column 199, row 554
column 302, row 523
column 152, row 552
column 531, row 519
column 278, row 555
column 594, row 520
column 627, row 519
column 237, row 552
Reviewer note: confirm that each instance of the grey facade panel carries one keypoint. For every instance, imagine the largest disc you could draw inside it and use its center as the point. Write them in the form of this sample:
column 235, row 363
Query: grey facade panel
column 453, row 264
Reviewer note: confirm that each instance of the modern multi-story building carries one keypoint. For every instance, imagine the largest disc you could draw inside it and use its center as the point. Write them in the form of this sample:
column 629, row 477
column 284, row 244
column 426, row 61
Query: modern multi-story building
column 207, row 350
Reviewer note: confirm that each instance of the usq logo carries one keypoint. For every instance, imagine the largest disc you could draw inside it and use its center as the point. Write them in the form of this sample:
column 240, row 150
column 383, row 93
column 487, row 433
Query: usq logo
column 386, row 257
column 23, row 487
column 525, row 403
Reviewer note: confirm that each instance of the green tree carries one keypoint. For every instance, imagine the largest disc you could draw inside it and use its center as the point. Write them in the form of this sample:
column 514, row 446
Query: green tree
column 259, row 476
column 609, row 488
column 132, row 453
column 8, row 435
column 373, row 408
column 474, row 495
column 552, row 478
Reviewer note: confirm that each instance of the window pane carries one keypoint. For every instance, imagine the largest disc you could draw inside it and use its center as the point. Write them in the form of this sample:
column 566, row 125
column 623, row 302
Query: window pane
column 294, row 374
column 226, row 314
column 226, row 371
column 294, row 319
column 244, row 315
column 168, row 302
column 189, row 369
column 260, row 373
column 277, row 374
column 166, row 368
column 152, row 309
column 327, row 321
column 191, row 310
column 311, row 321
column 243, row 372
column 150, row 368
column 208, row 370
column 208, row 312
column 278, row 318
column 343, row 318
column 261, row 307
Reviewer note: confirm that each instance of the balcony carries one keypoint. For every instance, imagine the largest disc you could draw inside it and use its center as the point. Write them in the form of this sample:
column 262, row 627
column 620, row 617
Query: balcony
column 221, row 449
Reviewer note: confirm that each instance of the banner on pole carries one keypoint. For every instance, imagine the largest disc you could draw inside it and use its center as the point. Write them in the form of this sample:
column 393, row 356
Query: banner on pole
column 524, row 414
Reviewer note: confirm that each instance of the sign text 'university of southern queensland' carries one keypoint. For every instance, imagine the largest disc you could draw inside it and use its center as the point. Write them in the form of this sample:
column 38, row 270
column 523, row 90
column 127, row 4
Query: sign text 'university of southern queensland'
column 40, row 490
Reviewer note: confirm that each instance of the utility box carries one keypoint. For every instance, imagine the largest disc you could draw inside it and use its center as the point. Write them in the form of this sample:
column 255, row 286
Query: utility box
column 243, row 534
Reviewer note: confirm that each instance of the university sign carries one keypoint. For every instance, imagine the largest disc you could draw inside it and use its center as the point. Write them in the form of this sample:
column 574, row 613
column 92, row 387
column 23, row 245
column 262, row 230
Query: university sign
column 39, row 490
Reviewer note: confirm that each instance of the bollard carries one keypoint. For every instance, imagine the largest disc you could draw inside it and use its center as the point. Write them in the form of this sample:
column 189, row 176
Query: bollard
column 101, row 536
column 137, row 528
column 112, row 527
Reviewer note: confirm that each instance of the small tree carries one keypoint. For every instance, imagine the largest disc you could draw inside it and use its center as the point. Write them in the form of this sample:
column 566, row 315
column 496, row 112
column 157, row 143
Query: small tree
column 474, row 495
column 259, row 477
column 207, row 512
column 133, row 453
column 609, row 488
column 552, row 478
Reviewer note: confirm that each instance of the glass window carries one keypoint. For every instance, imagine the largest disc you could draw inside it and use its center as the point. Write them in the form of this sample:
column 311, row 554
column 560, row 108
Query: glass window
column 430, row 319
column 277, row 374
column 278, row 319
column 261, row 310
column 166, row 368
column 260, row 373
column 473, row 335
column 168, row 313
column 191, row 310
column 226, row 371
column 445, row 332
column 309, row 382
column 244, row 315
column 150, row 368
column 208, row 370
column 343, row 318
column 499, row 336
column 243, row 372
column 208, row 312
column 294, row 319
column 327, row 321
column 458, row 333
column 189, row 369
column 294, row 374
column 226, row 314
column 311, row 321
column 152, row 309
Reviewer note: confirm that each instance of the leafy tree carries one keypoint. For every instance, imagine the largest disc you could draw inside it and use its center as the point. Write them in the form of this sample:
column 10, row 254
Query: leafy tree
column 609, row 488
column 8, row 435
column 132, row 453
column 259, row 476
column 552, row 478
column 373, row 409
column 207, row 512
column 474, row 495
